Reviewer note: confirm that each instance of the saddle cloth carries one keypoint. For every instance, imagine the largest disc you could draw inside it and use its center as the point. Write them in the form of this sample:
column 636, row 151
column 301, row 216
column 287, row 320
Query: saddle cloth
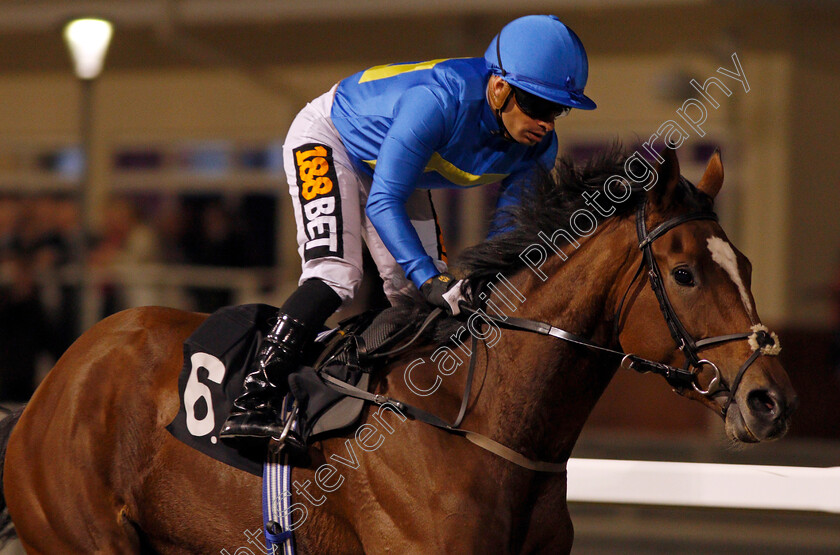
column 219, row 353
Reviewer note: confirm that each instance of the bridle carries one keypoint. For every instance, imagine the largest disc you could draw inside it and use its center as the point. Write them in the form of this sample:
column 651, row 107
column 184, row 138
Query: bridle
column 761, row 340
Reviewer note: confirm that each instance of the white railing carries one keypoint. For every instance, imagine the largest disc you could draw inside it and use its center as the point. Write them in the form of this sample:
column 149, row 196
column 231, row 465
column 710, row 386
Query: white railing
column 742, row 486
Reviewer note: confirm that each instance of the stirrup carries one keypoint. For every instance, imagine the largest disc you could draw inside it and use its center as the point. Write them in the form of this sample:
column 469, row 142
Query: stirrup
column 288, row 439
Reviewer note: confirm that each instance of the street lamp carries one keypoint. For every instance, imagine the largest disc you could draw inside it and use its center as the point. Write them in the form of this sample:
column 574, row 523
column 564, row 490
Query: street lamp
column 87, row 39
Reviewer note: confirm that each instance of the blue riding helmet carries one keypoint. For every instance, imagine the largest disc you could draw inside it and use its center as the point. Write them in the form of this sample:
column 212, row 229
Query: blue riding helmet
column 540, row 55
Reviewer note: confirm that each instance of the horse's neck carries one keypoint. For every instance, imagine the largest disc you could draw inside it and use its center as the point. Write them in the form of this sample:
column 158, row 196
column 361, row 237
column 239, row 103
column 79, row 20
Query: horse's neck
column 540, row 390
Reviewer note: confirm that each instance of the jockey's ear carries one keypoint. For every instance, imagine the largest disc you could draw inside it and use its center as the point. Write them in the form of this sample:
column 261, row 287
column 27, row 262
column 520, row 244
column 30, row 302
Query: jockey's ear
column 668, row 173
column 712, row 179
column 498, row 91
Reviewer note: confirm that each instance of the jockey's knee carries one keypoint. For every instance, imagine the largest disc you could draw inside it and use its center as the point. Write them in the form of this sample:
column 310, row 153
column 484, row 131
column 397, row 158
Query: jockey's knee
column 343, row 277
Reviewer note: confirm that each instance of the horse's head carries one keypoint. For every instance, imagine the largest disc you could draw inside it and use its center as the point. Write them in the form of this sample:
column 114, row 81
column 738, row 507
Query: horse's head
column 704, row 284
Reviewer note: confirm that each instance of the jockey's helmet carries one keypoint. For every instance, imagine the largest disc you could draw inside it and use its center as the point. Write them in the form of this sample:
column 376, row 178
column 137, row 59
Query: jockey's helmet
column 542, row 56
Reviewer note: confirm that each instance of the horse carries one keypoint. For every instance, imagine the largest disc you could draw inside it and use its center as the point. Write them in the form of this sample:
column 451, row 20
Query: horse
column 90, row 468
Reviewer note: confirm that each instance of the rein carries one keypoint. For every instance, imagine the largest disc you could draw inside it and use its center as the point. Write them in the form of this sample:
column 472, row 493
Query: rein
column 760, row 339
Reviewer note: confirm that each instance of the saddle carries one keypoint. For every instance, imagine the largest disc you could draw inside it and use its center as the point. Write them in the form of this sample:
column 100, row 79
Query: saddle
column 219, row 353
column 345, row 354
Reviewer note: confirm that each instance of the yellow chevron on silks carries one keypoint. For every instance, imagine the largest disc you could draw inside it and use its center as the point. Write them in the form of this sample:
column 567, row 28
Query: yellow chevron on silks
column 453, row 173
column 390, row 70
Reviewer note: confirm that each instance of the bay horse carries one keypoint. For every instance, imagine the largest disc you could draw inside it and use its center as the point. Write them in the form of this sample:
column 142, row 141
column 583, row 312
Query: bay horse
column 89, row 467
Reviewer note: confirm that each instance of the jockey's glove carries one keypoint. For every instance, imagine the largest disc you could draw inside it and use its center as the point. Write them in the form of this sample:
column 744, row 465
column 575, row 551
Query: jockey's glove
column 444, row 291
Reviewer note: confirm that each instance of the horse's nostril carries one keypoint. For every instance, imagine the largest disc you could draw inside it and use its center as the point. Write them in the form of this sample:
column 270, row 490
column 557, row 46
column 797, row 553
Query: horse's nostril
column 761, row 402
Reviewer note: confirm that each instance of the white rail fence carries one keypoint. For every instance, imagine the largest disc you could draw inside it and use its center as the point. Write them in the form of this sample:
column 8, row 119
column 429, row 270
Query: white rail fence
column 740, row 486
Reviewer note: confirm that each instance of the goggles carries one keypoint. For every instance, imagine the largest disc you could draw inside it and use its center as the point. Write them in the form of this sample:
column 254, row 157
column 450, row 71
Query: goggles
column 538, row 108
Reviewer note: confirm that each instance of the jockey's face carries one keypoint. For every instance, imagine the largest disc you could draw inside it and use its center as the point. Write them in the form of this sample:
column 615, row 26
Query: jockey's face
column 522, row 128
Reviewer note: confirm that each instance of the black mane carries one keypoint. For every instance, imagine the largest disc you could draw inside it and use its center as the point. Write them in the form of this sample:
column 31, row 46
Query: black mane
column 545, row 205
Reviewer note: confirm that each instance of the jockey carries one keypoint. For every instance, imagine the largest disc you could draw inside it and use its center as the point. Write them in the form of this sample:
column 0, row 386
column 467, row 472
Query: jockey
column 360, row 161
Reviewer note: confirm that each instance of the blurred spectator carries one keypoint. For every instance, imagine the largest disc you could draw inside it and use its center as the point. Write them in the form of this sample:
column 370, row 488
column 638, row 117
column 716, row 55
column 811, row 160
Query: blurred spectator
column 25, row 332
column 9, row 213
column 219, row 244
column 126, row 242
column 258, row 213
column 54, row 245
column 213, row 239
column 169, row 226
column 38, row 233
column 66, row 304
column 194, row 229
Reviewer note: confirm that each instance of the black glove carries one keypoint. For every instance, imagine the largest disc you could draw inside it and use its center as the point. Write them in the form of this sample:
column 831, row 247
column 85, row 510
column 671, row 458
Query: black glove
column 443, row 291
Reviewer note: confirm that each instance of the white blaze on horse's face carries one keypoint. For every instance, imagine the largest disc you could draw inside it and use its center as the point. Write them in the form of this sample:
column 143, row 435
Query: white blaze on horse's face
column 725, row 256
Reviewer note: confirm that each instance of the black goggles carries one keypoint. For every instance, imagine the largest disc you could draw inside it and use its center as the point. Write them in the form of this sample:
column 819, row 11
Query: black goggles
column 539, row 108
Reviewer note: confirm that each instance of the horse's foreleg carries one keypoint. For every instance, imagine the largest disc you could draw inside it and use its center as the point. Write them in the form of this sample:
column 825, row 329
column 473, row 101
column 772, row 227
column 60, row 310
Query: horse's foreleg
column 48, row 544
column 549, row 529
column 47, row 526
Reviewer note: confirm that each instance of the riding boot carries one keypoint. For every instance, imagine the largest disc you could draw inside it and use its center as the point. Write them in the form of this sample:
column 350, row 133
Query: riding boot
column 255, row 413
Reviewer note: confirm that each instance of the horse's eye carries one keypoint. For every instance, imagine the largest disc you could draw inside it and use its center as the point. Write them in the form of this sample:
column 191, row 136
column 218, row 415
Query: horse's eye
column 683, row 276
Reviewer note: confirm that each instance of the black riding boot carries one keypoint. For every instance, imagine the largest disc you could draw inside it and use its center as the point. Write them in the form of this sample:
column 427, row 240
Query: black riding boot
column 255, row 413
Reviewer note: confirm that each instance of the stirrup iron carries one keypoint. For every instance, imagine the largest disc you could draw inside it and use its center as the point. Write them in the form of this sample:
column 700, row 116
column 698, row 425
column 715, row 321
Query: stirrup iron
column 279, row 443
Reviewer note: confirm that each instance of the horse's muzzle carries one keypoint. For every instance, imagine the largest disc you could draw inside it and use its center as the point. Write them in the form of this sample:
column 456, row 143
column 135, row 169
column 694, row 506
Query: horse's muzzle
column 761, row 414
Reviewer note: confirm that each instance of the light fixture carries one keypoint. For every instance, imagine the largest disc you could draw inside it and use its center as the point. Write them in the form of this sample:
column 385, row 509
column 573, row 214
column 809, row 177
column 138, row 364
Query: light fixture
column 88, row 40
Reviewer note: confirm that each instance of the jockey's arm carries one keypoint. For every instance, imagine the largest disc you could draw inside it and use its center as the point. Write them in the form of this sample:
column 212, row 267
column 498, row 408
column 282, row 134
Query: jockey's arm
column 418, row 128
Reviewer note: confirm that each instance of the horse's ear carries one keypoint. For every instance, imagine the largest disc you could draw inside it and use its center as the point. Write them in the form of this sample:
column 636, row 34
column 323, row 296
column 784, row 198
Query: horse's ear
column 668, row 174
column 712, row 179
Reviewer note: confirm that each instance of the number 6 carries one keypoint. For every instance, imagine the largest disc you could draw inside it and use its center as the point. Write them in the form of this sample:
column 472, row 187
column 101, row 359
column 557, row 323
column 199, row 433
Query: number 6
column 196, row 390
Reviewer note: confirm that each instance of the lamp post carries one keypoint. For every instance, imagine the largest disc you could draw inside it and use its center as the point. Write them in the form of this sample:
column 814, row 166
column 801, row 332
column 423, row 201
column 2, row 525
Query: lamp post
column 88, row 40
